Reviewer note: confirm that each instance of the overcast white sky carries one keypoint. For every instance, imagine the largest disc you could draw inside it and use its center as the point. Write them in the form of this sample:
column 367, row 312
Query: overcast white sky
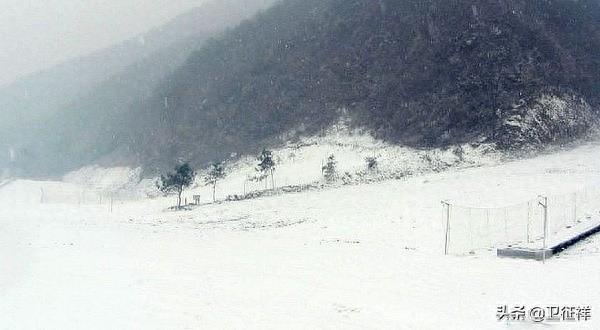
column 36, row 34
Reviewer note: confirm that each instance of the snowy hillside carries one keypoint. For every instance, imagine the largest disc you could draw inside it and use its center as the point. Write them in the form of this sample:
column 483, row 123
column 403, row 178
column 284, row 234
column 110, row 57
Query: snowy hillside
column 354, row 256
column 301, row 163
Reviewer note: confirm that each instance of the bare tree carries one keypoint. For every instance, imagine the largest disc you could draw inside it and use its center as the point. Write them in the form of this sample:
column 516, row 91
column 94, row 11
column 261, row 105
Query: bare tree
column 215, row 173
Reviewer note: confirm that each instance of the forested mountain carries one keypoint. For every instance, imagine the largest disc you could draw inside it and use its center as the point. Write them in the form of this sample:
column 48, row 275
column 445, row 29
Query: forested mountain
column 418, row 72
column 73, row 114
column 424, row 73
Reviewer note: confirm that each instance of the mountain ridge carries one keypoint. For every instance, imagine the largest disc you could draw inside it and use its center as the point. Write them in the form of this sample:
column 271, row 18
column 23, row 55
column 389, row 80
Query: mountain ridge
column 65, row 117
column 519, row 74
column 421, row 73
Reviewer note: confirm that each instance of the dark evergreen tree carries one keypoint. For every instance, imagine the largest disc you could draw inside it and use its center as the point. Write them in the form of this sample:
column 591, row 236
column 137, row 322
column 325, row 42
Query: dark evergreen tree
column 266, row 166
column 372, row 163
column 330, row 169
column 177, row 181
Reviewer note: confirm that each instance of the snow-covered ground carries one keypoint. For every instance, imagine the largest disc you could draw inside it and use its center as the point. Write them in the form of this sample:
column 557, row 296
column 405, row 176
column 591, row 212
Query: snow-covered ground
column 361, row 256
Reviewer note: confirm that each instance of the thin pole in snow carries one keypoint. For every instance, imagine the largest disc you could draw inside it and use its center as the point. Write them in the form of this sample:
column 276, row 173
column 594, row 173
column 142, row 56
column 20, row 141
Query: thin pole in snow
column 447, row 236
column 544, row 204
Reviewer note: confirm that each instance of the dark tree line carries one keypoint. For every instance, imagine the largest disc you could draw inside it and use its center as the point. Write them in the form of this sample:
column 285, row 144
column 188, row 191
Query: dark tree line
column 422, row 73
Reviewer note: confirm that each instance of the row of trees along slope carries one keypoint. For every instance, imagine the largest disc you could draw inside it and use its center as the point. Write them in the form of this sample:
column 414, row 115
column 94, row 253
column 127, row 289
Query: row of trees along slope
column 421, row 73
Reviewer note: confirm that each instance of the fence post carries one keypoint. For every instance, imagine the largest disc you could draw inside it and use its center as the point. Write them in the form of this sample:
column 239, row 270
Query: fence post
column 544, row 204
column 446, row 206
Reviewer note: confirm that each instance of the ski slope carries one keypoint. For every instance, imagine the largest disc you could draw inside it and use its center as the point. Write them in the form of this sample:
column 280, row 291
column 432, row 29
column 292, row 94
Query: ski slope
column 360, row 256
